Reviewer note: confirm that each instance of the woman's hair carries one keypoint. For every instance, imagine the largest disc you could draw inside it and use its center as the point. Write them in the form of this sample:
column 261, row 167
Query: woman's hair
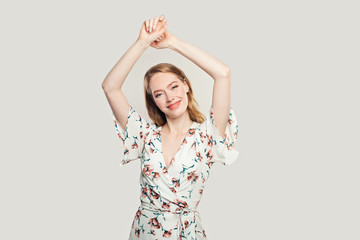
column 156, row 115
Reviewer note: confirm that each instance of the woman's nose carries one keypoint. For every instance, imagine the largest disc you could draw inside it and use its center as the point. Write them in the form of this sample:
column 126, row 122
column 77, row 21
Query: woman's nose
column 169, row 97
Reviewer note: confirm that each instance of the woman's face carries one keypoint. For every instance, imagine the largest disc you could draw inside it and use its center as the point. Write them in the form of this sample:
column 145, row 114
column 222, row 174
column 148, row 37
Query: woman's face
column 169, row 94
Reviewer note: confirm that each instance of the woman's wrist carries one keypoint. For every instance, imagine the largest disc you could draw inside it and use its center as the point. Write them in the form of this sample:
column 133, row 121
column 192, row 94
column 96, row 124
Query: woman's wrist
column 142, row 43
column 173, row 42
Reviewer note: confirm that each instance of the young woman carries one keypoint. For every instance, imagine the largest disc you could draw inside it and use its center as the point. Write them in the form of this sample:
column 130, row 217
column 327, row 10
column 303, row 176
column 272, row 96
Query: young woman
column 177, row 150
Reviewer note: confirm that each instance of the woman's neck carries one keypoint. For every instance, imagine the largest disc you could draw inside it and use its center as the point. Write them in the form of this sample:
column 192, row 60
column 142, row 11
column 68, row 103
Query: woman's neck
column 178, row 126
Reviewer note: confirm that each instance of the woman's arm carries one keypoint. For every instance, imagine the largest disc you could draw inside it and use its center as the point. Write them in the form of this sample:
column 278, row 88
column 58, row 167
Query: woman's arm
column 117, row 75
column 217, row 70
column 115, row 78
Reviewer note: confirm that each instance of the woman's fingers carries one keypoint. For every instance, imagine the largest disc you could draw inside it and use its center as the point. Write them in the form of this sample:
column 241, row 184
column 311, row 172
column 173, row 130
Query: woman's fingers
column 160, row 19
column 155, row 24
column 156, row 20
column 160, row 38
column 151, row 25
column 160, row 25
column 163, row 27
column 147, row 23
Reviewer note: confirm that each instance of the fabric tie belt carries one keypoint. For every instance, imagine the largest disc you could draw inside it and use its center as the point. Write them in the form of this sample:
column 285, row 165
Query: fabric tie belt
column 181, row 211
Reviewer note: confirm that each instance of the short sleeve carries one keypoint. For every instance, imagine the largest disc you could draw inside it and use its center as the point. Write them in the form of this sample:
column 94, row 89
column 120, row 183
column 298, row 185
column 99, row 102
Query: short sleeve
column 133, row 138
column 219, row 149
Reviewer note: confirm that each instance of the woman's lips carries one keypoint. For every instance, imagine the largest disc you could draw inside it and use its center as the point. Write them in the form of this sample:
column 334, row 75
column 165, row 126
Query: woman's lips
column 175, row 105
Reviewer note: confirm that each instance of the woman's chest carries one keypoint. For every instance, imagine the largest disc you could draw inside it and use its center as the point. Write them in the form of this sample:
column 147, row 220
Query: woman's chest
column 188, row 156
column 170, row 146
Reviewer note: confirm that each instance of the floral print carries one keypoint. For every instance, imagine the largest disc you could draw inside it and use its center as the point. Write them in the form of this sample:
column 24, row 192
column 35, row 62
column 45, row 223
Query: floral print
column 170, row 195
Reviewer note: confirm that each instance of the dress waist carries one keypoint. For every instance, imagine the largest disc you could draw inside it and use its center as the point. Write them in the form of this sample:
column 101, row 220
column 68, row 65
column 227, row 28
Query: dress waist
column 180, row 211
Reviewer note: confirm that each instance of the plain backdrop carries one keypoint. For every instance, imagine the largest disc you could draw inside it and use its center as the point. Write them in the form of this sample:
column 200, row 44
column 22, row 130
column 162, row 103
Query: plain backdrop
column 295, row 92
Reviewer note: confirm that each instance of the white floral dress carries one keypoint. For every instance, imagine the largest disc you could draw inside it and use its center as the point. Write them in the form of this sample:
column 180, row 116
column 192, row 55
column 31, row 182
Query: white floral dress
column 169, row 196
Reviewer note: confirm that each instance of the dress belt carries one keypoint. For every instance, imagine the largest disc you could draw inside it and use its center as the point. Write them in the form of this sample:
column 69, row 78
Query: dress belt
column 179, row 211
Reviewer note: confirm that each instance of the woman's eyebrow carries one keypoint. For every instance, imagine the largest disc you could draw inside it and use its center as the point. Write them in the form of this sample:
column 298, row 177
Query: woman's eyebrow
column 167, row 86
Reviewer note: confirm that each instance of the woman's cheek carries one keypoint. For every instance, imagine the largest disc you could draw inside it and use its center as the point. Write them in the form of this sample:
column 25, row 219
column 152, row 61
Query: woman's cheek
column 157, row 103
column 181, row 91
column 162, row 103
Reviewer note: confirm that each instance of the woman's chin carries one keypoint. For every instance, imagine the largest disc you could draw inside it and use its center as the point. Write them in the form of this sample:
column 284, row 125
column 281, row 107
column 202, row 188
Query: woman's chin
column 175, row 113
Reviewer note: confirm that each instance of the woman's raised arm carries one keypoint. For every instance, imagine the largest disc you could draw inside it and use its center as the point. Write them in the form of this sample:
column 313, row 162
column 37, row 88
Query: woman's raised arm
column 115, row 78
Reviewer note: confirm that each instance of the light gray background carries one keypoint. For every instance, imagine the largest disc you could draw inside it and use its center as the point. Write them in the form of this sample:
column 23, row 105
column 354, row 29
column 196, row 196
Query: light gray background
column 295, row 91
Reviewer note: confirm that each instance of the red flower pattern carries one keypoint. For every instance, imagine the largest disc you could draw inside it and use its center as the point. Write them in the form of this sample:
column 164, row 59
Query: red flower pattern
column 191, row 131
column 138, row 215
column 192, row 176
column 126, row 151
column 147, row 170
column 167, row 234
column 186, row 223
column 198, row 155
column 156, row 134
column 153, row 194
column 144, row 192
column 156, row 175
column 176, row 182
column 166, row 205
column 181, row 203
column 173, row 189
column 134, row 146
column 154, row 223
column 137, row 232
column 209, row 154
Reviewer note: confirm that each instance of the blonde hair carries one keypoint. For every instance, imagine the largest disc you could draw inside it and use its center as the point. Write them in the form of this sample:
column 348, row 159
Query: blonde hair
column 156, row 115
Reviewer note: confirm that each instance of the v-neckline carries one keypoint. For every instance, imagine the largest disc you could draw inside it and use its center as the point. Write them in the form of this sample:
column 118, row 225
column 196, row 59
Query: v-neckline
column 182, row 143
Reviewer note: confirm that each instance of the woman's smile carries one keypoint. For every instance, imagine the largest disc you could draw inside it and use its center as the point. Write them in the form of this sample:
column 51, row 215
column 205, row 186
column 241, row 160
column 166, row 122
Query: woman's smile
column 175, row 105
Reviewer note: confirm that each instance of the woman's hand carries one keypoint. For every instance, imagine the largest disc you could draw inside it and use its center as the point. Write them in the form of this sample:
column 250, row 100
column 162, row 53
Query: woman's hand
column 152, row 29
column 163, row 41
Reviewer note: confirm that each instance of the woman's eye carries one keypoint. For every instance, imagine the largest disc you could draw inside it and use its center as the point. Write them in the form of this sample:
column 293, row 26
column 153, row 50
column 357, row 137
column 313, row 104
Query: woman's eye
column 157, row 95
column 175, row 86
